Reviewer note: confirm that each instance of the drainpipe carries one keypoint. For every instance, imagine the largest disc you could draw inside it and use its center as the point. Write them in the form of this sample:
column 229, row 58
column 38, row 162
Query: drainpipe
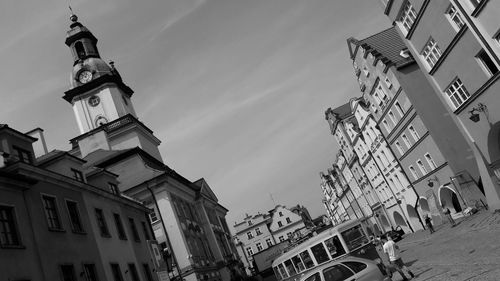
column 38, row 257
column 165, row 230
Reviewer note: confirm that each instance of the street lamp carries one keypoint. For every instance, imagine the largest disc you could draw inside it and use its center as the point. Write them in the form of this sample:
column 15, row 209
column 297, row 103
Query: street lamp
column 430, row 181
column 474, row 112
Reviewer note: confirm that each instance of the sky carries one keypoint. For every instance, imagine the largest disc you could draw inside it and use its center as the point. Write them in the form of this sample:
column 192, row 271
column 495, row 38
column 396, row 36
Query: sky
column 235, row 89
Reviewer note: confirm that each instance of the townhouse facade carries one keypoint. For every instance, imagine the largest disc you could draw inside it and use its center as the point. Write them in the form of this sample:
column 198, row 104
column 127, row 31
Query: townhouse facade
column 455, row 44
column 257, row 233
column 414, row 145
column 403, row 153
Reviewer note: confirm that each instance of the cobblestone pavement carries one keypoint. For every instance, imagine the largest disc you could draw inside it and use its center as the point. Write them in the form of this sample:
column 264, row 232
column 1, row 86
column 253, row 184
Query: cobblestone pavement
column 468, row 251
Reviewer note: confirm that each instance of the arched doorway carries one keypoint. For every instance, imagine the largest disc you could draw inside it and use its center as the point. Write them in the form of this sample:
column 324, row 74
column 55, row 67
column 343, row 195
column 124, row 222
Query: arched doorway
column 424, row 205
column 448, row 197
column 385, row 222
column 400, row 221
column 376, row 229
column 413, row 216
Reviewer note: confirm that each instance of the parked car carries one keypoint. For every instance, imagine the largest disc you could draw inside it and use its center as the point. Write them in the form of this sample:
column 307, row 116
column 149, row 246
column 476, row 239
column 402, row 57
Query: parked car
column 348, row 269
column 396, row 234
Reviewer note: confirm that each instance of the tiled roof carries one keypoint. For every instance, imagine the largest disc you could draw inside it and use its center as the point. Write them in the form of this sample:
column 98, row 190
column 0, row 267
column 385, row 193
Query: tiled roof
column 100, row 155
column 343, row 110
column 48, row 156
column 386, row 43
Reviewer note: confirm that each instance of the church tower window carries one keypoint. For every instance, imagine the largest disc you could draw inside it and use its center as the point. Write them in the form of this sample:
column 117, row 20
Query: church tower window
column 80, row 50
column 94, row 101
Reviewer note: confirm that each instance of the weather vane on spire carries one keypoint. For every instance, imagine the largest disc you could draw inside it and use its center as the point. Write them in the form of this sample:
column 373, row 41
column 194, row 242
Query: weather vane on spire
column 72, row 16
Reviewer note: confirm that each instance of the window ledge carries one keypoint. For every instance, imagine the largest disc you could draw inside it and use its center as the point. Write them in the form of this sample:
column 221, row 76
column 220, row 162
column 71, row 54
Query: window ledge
column 56, row 230
column 417, row 19
column 482, row 89
column 448, row 49
column 479, row 8
column 79, row 232
column 19, row 247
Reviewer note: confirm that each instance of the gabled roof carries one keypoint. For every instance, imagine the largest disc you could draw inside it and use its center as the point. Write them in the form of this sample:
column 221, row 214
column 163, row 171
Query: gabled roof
column 205, row 189
column 385, row 45
column 341, row 111
column 101, row 155
column 102, row 158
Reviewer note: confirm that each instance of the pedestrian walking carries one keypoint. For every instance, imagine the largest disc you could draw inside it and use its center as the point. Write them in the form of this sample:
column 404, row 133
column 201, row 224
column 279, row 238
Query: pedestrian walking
column 447, row 213
column 428, row 222
column 392, row 250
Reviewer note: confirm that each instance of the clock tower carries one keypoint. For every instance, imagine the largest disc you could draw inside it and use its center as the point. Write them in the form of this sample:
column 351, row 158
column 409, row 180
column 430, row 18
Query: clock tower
column 101, row 101
column 97, row 93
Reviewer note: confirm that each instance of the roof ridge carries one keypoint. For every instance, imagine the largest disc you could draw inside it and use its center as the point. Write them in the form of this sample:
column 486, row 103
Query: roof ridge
column 378, row 33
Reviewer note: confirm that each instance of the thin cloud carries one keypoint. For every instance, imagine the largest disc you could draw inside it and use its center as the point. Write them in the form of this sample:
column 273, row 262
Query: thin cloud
column 179, row 15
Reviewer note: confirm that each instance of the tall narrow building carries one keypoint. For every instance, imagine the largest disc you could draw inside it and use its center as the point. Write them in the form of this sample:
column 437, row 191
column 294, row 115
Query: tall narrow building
column 187, row 219
column 456, row 44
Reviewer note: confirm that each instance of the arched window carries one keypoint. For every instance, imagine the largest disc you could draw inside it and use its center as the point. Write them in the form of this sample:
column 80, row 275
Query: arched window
column 80, row 51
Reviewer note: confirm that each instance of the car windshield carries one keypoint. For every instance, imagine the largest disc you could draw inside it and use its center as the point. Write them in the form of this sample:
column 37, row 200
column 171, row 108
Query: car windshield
column 354, row 237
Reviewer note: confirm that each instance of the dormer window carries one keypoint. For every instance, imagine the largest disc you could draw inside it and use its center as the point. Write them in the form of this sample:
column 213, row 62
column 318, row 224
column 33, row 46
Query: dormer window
column 113, row 188
column 22, row 154
column 77, row 175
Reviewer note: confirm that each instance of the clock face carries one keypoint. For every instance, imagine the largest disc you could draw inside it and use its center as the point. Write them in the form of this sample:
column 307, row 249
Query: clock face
column 85, row 76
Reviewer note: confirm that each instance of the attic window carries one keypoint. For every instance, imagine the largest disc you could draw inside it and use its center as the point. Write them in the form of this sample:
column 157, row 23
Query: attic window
column 405, row 53
column 77, row 175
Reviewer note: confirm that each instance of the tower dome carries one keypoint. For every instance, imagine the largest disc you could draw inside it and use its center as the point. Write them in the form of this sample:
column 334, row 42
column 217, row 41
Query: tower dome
column 97, row 67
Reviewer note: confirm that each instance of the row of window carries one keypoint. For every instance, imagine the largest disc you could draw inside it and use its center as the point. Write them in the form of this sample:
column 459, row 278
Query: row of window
column 257, row 232
column 288, row 221
column 406, row 140
column 10, row 236
column 421, row 167
column 393, row 118
column 259, row 246
column 456, row 93
column 68, row 272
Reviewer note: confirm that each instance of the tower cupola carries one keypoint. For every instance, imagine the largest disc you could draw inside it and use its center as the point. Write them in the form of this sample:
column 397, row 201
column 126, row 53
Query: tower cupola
column 87, row 63
column 101, row 100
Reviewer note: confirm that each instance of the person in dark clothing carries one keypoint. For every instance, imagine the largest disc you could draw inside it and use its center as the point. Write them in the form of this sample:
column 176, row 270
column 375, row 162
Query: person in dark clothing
column 447, row 213
column 428, row 222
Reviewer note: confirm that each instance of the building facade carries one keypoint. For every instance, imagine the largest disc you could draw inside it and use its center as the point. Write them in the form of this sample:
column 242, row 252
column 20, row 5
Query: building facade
column 252, row 235
column 187, row 219
column 58, row 222
column 259, row 232
column 392, row 145
column 455, row 43
column 396, row 77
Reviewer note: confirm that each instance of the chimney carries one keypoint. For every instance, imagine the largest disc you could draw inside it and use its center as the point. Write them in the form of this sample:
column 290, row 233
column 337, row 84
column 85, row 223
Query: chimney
column 40, row 146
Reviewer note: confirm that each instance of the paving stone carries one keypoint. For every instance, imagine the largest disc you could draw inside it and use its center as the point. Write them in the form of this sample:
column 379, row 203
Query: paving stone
column 469, row 251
